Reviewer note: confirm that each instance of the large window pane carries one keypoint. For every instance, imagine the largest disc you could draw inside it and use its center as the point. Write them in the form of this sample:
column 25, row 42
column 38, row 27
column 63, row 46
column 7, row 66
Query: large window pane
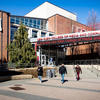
column 17, row 20
column 34, row 23
column 34, row 34
column 44, row 24
column 41, row 24
column 38, row 22
column 13, row 30
column 30, row 22
column 12, row 20
column 26, row 21
column 43, row 34
column 22, row 20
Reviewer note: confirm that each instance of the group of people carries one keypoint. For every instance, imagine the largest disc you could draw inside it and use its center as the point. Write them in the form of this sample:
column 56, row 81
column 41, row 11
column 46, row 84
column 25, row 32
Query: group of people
column 62, row 71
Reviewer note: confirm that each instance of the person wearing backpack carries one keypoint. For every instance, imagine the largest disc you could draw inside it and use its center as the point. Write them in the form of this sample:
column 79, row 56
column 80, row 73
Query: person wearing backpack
column 62, row 71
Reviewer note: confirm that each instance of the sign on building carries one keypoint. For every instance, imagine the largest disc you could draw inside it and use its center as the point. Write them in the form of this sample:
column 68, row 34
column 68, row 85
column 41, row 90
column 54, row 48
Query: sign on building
column 0, row 24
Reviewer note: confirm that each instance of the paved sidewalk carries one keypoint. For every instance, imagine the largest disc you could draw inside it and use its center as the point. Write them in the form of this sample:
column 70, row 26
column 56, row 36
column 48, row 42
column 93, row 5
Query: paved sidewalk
column 50, row 89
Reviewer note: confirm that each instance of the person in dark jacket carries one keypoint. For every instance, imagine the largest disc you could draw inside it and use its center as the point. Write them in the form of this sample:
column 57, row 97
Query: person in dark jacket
column 62, row 71
column 40, row 73
column 78, row 70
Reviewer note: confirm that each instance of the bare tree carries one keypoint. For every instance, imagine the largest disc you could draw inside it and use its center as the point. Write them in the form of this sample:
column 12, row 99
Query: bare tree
column 92, row 21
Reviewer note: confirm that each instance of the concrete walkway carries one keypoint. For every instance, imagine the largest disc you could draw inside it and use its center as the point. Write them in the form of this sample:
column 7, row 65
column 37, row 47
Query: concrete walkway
column 50, row 89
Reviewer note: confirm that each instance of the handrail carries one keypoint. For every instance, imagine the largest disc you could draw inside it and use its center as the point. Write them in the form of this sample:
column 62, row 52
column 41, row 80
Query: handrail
column 86, row 62
column 95, row 69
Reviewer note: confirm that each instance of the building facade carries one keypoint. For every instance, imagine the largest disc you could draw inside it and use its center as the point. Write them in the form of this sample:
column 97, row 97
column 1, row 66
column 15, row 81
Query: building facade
column 4, row 35
column 62, row 25
column 47, row 20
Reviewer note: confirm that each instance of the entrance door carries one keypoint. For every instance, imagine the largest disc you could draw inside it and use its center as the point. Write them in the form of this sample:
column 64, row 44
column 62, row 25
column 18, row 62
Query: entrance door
column 51, row 61
column 43, row 60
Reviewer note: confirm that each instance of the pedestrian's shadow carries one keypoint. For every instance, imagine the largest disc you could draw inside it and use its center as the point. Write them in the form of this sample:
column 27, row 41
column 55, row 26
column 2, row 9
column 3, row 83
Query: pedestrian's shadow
column 44, row 81
column 65, row 81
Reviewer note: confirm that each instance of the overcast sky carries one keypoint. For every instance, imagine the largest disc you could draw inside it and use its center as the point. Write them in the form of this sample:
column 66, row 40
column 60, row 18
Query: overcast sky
column 80, row 7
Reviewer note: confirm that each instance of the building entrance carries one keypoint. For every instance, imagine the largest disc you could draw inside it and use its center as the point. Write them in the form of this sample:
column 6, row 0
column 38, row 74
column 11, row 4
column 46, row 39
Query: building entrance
column 43, row 60
column 68, row 48
column 52, row 55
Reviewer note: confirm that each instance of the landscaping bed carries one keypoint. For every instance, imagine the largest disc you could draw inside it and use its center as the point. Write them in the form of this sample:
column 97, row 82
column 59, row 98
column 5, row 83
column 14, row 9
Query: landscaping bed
column 32, row 71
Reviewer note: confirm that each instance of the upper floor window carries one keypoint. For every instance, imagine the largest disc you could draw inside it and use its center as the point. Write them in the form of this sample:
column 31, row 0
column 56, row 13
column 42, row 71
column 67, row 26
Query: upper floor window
column 34, row 34
column 43, row 34
column 50, row 34
column 30, row 22
column 12, row 20
column 17, row 20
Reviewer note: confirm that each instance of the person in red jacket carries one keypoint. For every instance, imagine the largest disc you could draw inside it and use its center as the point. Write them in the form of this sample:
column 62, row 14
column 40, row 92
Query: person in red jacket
column 78, row 70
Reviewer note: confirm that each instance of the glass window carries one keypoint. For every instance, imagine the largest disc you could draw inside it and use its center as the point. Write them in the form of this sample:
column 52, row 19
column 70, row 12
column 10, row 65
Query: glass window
column 12, row 20
column 30, row 22
column 34, row 23
column 38, row 22
column 30, row 25
column 13, row 30
column 44, row 24
column 38, row 26
column 43, row 34
column 22, row 20
column 26, row 21
column 17, row 20
column 50, row 34
column 83, row 30
column 41, row 24
column 34, row 34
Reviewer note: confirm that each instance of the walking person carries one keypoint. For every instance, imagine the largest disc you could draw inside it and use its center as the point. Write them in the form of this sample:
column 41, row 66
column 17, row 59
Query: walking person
column 40, row 73
column 74, row 68
column 62, row 71
column 78, row 70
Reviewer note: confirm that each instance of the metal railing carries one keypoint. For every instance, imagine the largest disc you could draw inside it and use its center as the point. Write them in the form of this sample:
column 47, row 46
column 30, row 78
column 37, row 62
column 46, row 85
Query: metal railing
column 83, row 62
column 95, row 69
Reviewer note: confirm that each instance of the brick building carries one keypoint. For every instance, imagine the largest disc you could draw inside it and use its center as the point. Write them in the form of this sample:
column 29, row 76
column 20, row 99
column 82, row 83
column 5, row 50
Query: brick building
column 4, row 35
column 44, row 22
column 61, row 25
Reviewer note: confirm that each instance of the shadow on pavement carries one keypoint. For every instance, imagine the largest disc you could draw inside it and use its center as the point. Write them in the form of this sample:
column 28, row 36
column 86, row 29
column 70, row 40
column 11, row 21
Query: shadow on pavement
column 44, row 81
column 65, row 81
column 5, row 75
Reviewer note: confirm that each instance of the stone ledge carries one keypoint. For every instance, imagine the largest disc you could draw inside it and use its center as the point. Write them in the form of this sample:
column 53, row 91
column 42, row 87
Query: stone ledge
column 15, row 77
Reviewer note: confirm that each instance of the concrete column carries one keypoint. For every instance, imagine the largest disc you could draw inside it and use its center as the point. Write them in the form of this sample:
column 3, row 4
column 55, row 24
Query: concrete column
column 47, row 34
column 30, row 33
column 39, row 34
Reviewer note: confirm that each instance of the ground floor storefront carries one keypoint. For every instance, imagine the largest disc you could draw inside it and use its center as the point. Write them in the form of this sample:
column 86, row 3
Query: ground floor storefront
column 55, row 55
column 83, row 49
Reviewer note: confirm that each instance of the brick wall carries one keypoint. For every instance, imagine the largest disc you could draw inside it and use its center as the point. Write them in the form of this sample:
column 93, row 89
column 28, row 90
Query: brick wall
column 84, row 49
column 51, row 24
column 63, row 25
column 4, row 36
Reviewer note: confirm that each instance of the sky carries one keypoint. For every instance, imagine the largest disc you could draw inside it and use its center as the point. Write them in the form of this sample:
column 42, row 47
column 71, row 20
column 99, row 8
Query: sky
column 79, row 7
